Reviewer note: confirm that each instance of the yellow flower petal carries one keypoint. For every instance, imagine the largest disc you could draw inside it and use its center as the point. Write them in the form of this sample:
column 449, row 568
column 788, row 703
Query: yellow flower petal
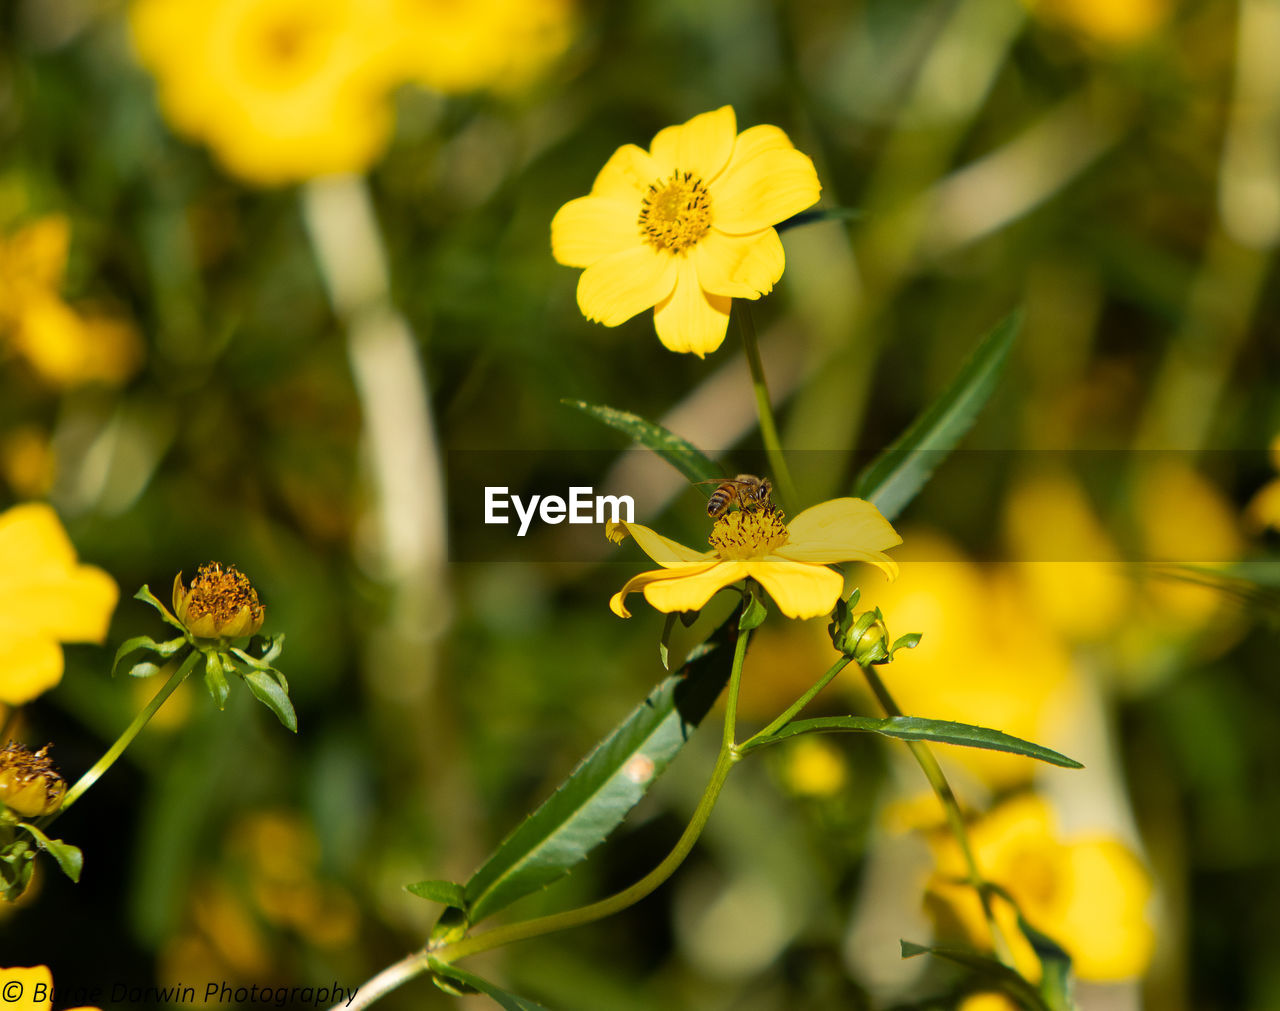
column 20, row 986
column 701, row 146
column 617, row 603
column 691, row 319
column 799, row 589
column 32, row 541
column 842, row 530
column 626, row 175
column 29, row 666
column 590, row 228
column 689, row 591
column 763, row 190
column 756, row 140
column 741, row 266
column 40, row 250
column 614, row 289
column 1105, row 926
column 663, row 550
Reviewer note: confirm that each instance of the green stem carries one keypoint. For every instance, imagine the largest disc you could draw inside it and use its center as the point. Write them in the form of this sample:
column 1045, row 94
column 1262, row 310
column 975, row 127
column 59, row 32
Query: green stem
column 955, row 818
column 755, row 740
column 725, row 761
column 131, row 731
column 764, row 408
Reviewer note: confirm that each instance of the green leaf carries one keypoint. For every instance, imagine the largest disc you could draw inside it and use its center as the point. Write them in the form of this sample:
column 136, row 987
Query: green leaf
column 664, row 641
column 449, row 893
column 1055, row 963
column 894, row 477
column 606, row 785
column 996, row 972
column 216, row 681
column 915, row 728
column 147, row 597
column 267, row 690
column 754, row 614
column 818, row 214
column 683, row 455
column 69, row 857
column 474, row 984
column 140, row 643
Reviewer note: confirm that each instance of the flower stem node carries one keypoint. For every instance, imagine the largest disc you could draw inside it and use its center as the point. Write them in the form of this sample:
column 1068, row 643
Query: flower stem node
column 864, row 637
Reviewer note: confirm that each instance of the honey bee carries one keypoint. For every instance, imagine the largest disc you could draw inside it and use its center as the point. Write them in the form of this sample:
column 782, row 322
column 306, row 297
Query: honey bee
column 746, row 491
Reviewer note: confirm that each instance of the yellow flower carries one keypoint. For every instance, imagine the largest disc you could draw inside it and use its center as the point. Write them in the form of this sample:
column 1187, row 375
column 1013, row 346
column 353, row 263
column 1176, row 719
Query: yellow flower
column 788, row 560
column 1263, row 510
column 220, row 603
column 63, row 346
column 1110, row 22
column 45, row 598
column 685, row 227
column 1089, row 894
column 29, row 784
column 281, row 90
column 29, row 988
column 500, row 44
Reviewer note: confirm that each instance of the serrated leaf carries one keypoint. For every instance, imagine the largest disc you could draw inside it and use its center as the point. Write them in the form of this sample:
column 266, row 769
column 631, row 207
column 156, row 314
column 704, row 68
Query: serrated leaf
column 680, row 453
column 144, row 642
column 916, row 728
column 267, row 690
column 69, row 857
column 448, row 893
column 147, row 597
column 474, row 984
column 996, row 972
column 597, row 795
column 894, row 477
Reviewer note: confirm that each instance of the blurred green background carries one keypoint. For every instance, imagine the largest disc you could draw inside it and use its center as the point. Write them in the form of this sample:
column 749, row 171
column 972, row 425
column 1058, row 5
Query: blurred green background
column 1113, row 166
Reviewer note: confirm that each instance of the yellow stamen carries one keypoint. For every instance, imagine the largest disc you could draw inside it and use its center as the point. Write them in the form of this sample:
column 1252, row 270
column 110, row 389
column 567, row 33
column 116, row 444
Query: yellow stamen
column 751, row 534
column 675, row 213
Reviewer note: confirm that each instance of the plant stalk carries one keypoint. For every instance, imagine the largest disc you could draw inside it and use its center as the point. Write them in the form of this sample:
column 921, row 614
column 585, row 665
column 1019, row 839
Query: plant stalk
column 764, row 408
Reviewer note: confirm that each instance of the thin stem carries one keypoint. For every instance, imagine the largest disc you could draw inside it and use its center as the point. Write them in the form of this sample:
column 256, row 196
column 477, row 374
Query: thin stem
column 764, row 408
column 131, row 731
column 955, row 818
column 796, row 706
column 394, row 975
column 725, row 761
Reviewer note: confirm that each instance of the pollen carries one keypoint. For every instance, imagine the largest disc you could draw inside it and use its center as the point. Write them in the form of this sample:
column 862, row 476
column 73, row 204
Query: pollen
column 751, row 534
column 29, row 784
column 675, row 213
column 221, row 592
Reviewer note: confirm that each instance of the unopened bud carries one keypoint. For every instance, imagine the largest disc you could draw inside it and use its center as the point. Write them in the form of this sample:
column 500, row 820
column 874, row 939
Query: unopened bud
column 221, row 603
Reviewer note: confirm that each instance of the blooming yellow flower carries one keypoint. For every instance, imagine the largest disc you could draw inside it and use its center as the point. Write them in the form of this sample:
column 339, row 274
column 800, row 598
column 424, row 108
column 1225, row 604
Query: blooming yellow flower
column 45, row 598
column 29, row 988
column 64, row 347
column 500, row 44
column 281, row 90
column 1089, row 894
column 789, row 560
column 685, row 227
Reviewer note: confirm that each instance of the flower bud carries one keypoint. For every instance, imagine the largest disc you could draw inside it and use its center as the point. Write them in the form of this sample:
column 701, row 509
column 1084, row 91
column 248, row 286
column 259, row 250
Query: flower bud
column 863, row 638
column 220, row 603
column 29, row 784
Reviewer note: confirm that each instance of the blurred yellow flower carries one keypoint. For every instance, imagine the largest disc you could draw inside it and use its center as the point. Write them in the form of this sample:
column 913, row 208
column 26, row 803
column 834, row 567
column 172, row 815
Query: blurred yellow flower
column 1263, row 510
column 685, row 227
column 986, row 657
column 1089, row 894
column 1111, row 22
column 45, row 598
column 29, row 989
column 789, row 560
column 499, row 44
column 814, row 767
column 989, row 1001
column 27, row 461
column 280, row 90
column 64, row 347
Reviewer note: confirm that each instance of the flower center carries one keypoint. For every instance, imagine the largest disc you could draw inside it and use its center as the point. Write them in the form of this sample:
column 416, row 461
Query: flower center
column 221, row 592
column 675, row 213
column 750, row 534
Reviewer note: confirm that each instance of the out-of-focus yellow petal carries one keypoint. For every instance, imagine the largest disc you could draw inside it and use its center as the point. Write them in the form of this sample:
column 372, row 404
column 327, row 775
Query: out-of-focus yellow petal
column 993, row 1001
column 701, row 146
column 32, row 542
column 740, row 266
column 663, row 550
column 617, row 603
column 1104, row 925
column 763, row 190
column 22, row 983
column 627, row 174
column 614, row 289
column 29, row 666
column 800, row 590
column 40, row 250
column 590, row 228
column 52, row 338
column 691, row 319
column 842, row 530
column 689, row 591
column 1263, row 510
